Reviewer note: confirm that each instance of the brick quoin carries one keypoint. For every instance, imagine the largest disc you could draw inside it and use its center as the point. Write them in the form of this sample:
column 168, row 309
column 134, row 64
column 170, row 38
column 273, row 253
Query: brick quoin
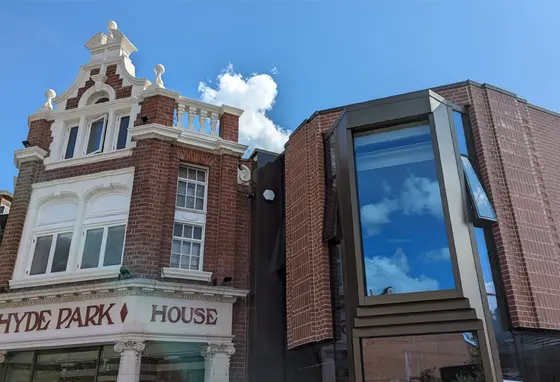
column 308, row 288
column 113, row 80
column 516, row 145
column 40, row 134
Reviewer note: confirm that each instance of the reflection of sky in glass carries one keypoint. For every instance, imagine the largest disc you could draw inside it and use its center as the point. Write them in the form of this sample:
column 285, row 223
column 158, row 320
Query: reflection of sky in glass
column 403, row 230
column 484, row 260
column 461, row 138
column 481, row 202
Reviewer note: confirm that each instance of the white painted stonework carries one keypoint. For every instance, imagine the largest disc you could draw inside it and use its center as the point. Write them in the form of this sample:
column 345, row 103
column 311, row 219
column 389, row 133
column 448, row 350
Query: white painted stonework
column 127, row 313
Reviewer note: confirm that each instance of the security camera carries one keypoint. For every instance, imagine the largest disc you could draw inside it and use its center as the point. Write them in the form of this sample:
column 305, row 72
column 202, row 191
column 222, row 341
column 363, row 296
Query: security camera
column 269, row 195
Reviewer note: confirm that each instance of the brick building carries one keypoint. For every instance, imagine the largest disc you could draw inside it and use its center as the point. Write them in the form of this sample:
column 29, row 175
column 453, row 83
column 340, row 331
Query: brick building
column 417, row 240
column 126, row 253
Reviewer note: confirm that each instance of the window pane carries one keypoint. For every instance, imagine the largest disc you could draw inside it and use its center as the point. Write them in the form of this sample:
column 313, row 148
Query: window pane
column 175, row 259
column 61, row 252
column 195, row 262
column 176, row 247
column 191, row 174
column 434, row 357
column 182, row 188
column 41, row 255
column 187, row 231
column 182, row 172
column 123, row 132
column 73, row 134
column 177, row 230
column 195, row 249
column 185, row 262
column 199, row 204
column 190, row 202
column 482, row 206
column 92, row 248
column 484, row 260
column 95, row 137
column 190, row 189
column 200, row 190
column 197, row 233
column 201, row 176
column 115, row 246
column 459, row 129
column 186, row 248
column 181, row 201
column 399, row 201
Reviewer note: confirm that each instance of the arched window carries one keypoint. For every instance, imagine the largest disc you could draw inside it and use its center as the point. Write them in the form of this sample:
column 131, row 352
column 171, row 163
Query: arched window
column 98, row 97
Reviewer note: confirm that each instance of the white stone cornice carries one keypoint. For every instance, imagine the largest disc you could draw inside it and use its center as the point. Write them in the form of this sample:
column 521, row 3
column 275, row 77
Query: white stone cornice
column 154, row 130
column 209, row 143
column 186, row 274
column 28, row 154
column 130, row 286
column 153, row 90
column 231, row 110
column 40, row 114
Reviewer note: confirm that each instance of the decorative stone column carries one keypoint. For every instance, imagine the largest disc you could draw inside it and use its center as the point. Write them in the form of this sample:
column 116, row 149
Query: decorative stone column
column 216, row 361
column 131, row 358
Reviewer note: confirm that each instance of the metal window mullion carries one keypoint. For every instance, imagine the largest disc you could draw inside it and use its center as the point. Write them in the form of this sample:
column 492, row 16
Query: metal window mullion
column 51, row 253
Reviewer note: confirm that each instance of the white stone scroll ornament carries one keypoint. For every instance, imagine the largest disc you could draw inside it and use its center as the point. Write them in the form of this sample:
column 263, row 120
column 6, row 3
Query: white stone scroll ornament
column 243, row 174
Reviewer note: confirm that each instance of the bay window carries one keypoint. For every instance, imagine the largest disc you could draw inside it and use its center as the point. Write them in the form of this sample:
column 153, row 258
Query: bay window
column 75, row 229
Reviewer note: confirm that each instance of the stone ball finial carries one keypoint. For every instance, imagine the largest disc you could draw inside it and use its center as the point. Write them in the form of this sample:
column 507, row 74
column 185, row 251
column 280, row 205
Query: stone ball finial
column 159, row 69
column 112, row 25
column 50, row 94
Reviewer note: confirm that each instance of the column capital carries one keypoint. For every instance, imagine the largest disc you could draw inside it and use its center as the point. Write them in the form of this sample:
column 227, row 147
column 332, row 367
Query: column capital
column 211, row 350
column 3, row 356
column 137, row 346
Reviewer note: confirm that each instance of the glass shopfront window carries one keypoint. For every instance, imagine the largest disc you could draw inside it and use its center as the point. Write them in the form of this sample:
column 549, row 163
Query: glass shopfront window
column 450, row 357
column 168, row 361
column 404, row 239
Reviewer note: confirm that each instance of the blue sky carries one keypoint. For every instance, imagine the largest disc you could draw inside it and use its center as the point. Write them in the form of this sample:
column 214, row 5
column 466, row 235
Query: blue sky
column 326, row 52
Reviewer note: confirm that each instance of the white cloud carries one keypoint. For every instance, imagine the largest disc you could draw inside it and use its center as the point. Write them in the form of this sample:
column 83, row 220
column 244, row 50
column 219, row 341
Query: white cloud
column 418, row 196
column 374, row 215
column 255, row 95
column 436, row 255
column 421, row 195
column 382, row 272
column 274, row 70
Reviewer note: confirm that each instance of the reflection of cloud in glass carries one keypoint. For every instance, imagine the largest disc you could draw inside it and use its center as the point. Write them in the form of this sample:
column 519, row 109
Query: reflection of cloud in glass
column 419, row 196
column 382, row 272
column 436, row 255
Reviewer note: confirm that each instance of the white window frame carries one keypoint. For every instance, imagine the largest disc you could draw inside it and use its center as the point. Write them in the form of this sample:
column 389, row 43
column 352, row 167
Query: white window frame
column 196, row 182
column 195, row 218
column 87, row 137
column 101, row 259
column 190, row 240
column 54, row 233
column 117, row 127
column 66, row 140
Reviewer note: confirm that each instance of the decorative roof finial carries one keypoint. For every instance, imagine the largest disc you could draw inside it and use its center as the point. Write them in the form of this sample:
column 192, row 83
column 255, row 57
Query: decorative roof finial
column 159, row 69
column 112, row 26
column 50, row 94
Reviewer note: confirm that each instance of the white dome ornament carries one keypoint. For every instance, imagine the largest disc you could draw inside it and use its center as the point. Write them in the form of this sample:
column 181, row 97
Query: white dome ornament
column 50, row 94
column 159, row 69
column 111, row 26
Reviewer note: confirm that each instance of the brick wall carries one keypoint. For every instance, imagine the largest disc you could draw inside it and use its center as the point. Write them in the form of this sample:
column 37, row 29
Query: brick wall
column 159, row 109
column 229, row 127
column 40, row 134
column 516, row 146
column 308, row 289
column 113, row 80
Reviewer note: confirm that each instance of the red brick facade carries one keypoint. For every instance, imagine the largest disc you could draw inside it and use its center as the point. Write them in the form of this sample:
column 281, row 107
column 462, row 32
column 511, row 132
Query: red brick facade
column 308, row 294
column 516, row 145
column 113, row 80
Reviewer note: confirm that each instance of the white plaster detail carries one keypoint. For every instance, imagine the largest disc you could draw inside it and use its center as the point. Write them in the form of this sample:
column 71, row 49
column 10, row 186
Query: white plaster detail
column 57, row 211
column 213, row 144
column 217, row 361
column 100, row 77
column 186, row 274
column 28, row 154
column 231, row 110
column 51, row 165
column 131, row 355
column 99, row 86
column 243, row 174
column 159, row 69
column 187, row 216
column 154, row 130
column 63, row 278
column 50, row 94
column 155, row 90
